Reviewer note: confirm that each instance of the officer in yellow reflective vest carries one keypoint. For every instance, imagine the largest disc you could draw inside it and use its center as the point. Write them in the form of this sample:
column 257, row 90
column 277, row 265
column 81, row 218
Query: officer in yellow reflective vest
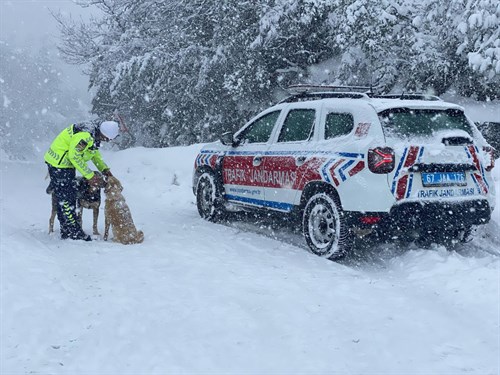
column 70, row 151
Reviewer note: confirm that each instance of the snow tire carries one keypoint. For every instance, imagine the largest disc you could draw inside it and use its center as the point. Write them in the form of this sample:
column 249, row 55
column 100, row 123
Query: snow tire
column 325, row 228
column 209, row 200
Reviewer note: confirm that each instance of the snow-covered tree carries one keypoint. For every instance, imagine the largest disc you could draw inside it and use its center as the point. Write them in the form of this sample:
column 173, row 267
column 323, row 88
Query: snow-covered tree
column 184, row 72
column 460, row 46
column 480, row 27
column 374, row 40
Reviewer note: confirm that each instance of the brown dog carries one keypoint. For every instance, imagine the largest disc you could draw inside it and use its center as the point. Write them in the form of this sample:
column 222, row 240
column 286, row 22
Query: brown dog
column 117, row 215
column 86, row 197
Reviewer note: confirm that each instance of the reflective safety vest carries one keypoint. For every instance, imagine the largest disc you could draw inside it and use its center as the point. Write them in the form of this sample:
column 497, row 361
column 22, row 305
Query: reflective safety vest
column 74, row 150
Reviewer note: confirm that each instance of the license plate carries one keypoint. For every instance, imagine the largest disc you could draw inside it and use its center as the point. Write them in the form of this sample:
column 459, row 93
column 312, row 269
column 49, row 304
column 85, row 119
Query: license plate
column 444, row 179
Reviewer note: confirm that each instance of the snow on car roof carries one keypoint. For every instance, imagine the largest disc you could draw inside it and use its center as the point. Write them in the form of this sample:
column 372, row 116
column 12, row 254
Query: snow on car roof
column 381, row 104
column 362, row 101
column 352, row 96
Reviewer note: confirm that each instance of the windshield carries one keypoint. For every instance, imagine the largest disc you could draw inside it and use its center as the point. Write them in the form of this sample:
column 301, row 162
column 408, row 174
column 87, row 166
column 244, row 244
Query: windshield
column 407, row 123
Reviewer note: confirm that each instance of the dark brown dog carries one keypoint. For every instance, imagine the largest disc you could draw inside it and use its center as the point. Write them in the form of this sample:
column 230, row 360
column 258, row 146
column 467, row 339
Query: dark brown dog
column 117, row 215
column 87, row 196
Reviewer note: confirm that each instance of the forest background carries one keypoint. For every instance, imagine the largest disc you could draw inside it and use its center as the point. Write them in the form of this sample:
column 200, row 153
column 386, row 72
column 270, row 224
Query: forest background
column 183, row 72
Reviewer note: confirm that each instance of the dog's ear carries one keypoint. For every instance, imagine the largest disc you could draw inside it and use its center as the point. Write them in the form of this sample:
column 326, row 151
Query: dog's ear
column 115, row 182
column 102, row 183
column 112, row 184
column 108, row 185
column 102, row 180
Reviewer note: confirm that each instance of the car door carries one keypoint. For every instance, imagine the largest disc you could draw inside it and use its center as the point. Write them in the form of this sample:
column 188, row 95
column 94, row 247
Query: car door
column 346, row 151
column 284, row 161
column 243, row 175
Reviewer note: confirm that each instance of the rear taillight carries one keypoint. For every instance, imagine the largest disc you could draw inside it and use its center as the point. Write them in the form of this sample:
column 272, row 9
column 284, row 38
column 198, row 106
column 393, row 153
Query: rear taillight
column 490, row 158
column 381, row 160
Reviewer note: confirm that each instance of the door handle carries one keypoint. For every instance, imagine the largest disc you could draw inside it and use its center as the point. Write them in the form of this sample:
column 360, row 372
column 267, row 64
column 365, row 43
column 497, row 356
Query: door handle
column 300, row 160
column 257, row 160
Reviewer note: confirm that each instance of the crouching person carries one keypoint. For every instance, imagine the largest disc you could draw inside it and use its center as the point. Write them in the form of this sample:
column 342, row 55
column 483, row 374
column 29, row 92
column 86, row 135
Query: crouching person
column 70, row 151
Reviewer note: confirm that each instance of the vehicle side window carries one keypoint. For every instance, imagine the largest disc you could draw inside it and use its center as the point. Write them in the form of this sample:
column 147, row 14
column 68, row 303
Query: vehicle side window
column 260, row 130
column 338, row 124
column 298, row 125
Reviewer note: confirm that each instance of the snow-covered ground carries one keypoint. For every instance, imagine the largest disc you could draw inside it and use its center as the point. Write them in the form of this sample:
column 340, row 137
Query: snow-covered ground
column 244, row 298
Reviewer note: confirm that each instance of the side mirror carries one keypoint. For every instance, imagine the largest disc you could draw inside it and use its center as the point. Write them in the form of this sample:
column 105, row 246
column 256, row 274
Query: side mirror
column 227, row 139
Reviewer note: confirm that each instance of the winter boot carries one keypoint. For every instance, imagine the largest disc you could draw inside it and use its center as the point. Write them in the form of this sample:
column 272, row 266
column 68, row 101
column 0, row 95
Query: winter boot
column 64, row 234
column 80, row 235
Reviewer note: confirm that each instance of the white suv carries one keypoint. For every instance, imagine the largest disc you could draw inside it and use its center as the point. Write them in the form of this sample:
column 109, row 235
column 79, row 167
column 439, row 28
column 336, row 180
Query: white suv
column 411, row 166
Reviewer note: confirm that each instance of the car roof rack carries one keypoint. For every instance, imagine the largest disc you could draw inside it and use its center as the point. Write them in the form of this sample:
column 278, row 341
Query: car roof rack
column 303, row 88
column 303, row 97
column 304, row 92
column 403, row 96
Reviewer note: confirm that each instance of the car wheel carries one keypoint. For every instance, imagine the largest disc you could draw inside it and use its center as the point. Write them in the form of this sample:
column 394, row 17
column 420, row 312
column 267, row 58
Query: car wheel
column 325, row 228
column 209, row 198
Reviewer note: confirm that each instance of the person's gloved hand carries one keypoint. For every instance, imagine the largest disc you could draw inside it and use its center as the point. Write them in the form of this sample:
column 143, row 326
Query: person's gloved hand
column 107, row 173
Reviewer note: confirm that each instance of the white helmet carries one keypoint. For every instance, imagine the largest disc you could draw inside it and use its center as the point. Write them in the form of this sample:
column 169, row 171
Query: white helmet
column 109, row 129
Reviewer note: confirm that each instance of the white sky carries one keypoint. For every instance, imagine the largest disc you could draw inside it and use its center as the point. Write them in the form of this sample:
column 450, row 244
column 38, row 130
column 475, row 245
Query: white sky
column 29, row 24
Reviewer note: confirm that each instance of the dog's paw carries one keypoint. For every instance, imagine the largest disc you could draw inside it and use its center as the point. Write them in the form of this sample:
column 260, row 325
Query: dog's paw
column 96, row 237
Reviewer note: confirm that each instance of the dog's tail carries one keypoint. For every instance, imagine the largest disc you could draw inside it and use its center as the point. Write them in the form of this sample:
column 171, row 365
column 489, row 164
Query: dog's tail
column 140, row 236
column 49, row 189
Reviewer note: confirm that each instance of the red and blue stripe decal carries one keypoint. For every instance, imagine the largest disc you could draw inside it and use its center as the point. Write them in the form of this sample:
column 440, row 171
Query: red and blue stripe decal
column 335, row 171
column 207, row 158
column 337, row 167
column 402, row 185
column 478, row 176
column 339, row 170
column 260, row 202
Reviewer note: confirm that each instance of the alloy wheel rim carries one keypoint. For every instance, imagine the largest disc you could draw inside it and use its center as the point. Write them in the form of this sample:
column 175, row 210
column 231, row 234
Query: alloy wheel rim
column 322, row 226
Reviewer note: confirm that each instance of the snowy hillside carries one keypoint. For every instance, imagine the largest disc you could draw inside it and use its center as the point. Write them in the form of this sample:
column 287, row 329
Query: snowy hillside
column 244, row 298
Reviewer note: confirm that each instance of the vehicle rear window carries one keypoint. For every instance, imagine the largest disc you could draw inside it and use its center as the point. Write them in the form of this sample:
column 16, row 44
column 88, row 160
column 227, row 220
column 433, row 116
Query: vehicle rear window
column 406, row 122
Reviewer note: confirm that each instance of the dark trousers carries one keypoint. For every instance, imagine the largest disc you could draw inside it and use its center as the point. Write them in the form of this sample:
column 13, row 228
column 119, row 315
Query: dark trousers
column 63, row 183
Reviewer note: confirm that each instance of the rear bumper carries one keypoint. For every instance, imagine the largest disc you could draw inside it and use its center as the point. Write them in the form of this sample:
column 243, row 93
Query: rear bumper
column 456, row 214
column 425, row 216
